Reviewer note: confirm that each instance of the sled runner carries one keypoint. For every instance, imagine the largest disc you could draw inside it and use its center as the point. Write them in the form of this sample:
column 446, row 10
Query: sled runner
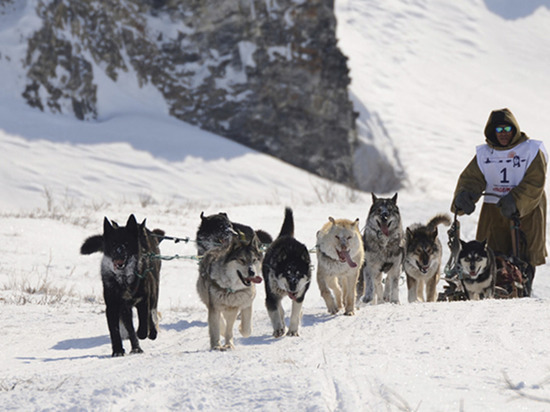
column 514, row 275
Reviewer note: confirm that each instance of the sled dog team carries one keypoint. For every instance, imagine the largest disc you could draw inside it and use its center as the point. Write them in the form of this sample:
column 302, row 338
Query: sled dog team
column 350, row 269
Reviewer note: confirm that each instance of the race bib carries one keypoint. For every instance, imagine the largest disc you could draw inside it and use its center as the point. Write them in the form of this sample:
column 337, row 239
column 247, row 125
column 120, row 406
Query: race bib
column 504, row 169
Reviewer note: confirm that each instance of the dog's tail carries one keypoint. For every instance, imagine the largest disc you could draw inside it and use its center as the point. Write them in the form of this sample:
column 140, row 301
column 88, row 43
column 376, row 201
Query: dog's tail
column 287, row 229
column 92, row 244
column 439, row 219
column 264, row 237
column 158, row 234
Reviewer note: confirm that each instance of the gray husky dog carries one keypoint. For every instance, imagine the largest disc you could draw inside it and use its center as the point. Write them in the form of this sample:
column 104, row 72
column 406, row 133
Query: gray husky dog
column 225, row 285
column 286, row 269
column 383, row 241
column 422, row 261
column 479, row 270
column 130, row 278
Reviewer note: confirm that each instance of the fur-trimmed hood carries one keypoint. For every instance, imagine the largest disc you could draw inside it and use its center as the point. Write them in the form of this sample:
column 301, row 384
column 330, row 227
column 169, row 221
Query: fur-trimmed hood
column 503, row 116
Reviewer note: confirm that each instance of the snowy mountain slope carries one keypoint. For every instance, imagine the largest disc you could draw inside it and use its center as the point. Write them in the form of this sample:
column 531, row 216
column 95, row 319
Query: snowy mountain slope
column 432, row 71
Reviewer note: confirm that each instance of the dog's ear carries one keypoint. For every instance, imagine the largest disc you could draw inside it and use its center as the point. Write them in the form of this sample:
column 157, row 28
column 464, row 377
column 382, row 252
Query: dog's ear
column 143, row 228
column 202, row 215
column 305, row 256
column 331, row 219
column 356, row 223
column 143, row 225
column 434, row 233
column 374, row 198
column 114, row 224
column 409, row 234
column 131, row 224
column 462, row 244
column 107, row 228
column 484, row 244
column 394, row 198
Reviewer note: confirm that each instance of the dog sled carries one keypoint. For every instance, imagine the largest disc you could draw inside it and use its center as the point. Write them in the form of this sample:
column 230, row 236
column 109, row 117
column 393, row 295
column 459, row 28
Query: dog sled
column 514, row 275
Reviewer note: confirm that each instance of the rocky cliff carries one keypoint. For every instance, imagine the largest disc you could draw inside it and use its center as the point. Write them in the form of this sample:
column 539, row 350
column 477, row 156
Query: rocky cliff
column 265, row 73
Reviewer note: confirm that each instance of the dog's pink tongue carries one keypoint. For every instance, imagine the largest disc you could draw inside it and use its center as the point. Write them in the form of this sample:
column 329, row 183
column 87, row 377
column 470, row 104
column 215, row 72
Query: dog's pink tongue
column 344, row 256
column 255, row 279
column 292, row 296
column 385, row 229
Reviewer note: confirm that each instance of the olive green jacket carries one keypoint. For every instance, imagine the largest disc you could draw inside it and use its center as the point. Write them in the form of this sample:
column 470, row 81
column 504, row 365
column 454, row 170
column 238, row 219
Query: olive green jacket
column 529, row 195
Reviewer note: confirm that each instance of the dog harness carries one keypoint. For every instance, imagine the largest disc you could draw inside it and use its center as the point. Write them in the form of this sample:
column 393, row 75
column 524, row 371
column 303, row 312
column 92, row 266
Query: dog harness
column 504, row 169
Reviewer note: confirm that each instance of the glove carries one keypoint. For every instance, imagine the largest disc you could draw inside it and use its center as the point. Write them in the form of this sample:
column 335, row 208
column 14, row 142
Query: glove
column 466, row 201
column 507, row 206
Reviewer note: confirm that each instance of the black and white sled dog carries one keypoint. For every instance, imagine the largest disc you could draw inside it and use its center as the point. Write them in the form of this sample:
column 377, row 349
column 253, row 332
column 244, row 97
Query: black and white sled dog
column 383, row 240
column 130, row 279
column 217, row 230
column 226, row 285
column 422, row 262
column 479, row 270
column 286, row 269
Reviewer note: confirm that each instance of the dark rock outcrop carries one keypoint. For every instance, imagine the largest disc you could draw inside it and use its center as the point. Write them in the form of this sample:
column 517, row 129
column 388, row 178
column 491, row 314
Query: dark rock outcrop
column 267, row 74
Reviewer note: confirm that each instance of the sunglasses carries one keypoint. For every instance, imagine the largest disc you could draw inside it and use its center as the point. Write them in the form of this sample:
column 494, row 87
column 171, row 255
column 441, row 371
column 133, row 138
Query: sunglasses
column 503, row 129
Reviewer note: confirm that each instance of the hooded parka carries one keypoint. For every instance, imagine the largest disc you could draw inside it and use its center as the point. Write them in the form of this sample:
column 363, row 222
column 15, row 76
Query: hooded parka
column 529, row 195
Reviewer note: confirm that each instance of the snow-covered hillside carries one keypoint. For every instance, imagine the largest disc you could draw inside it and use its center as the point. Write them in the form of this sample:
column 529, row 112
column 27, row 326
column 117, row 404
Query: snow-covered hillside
column 426, row 75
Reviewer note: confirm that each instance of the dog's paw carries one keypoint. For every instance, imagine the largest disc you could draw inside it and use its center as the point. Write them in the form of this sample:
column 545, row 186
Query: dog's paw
column 277, row 333
column 349, row 313
column 136, row 350
column 333, row 311
column 292, row 333
column 153, row 334
column 141, row 333
column 223, row 348
column 367, row 300
column 118, row 354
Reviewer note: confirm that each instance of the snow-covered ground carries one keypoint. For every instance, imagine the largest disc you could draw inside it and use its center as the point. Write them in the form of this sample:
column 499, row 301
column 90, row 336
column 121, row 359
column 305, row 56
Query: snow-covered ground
column 426, row 75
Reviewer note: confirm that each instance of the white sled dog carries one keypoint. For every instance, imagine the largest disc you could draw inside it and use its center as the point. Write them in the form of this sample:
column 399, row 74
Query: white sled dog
column 422, row 261
column 226, row 286
column 384, row 241
column 340, row 255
